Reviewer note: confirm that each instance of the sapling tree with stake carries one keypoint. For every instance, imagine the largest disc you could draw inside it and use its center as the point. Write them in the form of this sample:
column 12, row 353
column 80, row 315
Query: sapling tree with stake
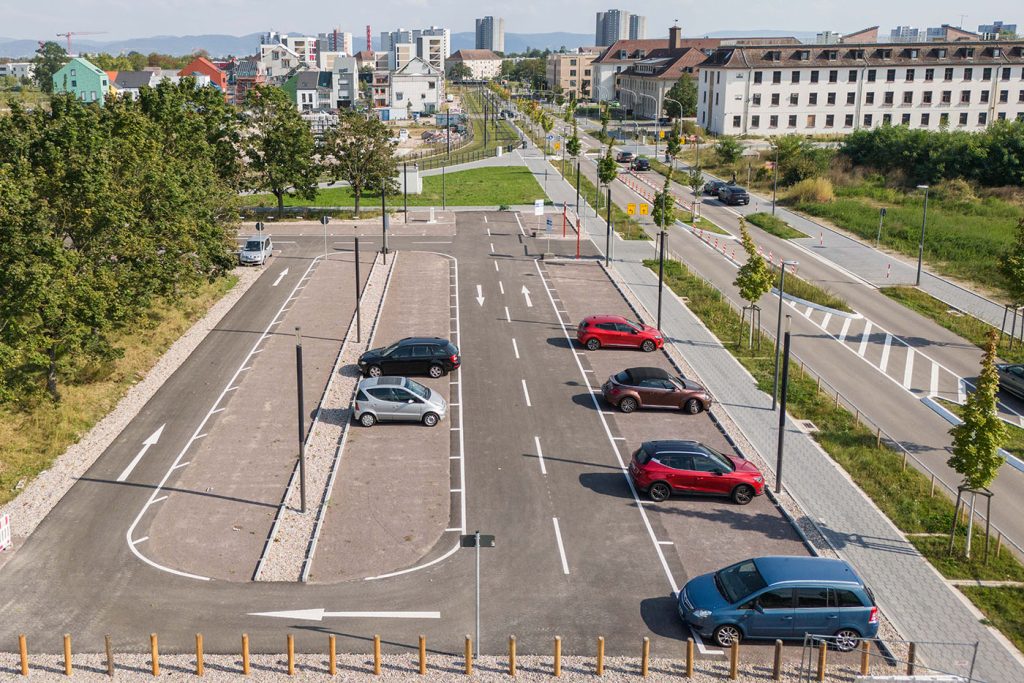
column 754, row 278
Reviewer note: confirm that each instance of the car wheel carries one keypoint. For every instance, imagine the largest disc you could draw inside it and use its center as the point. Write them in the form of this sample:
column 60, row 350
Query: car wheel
column 693, row 406
column 648, row 345
column 659, row 491
column 742, row 494
column 430, row 419
column 593, row 344
column 367, row 419
column 846, row 639
column 628, row 404
column 436, row 371
column 374, row 371
column 727, row 634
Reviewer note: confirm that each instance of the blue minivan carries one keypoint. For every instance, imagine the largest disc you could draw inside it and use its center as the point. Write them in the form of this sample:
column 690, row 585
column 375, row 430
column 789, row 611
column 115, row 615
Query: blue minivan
column 781, row 597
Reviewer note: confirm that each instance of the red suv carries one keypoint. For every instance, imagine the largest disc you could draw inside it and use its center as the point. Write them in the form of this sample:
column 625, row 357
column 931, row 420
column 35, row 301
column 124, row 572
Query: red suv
column 613, row 330
column 662, row 468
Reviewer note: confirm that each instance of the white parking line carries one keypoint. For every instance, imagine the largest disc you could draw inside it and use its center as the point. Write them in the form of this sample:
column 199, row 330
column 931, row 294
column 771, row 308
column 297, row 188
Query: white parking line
column 935, row 379
column 909, row 369
column 807, row 313
column 846, row 328
column 508, row 316
column 515, row 347
column 884, row 363
column 864, row 338
column 496, row 266
column 561, row 548
column 492, row 247
column 501, row 286
column 540, row 455
column 526, row 393
column 144, row 538
column 961, row 391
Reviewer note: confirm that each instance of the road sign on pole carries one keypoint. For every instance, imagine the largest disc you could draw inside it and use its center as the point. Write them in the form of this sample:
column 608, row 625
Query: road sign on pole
column 477, row 540
column 631, row 209
column 644, row 209
column 550, row 224
column 538, row 207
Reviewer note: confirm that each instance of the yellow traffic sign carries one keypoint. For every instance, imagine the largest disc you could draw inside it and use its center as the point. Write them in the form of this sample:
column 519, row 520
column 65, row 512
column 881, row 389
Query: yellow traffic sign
column 643, row 209
column 631, row 209
column 558, row 145
column 661, row 134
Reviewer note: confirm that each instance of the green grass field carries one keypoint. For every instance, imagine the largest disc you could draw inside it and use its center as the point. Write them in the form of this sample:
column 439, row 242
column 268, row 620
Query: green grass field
column 1003, row 607
column 775, row 226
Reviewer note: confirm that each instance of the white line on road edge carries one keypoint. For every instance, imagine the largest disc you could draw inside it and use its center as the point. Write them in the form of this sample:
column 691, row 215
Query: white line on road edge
column 884, row 363
column 521, row 231
column 279, row 277
column 151, row 440
column 864, row 338
column 846, row 328
column 492, row 247
column 540, row 455
column 515, row 347
column 561, row 548
column 319, row 614
column 526, row 393
column 508, row 316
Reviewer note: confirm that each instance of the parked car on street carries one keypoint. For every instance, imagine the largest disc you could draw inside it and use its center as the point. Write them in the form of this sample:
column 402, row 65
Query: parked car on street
column 256, row 250
column 1011, row 378
column 432, row 356
column 389, row 399
column 711, row 187
column 640, row 164
column 661, row 468
column 781, row 597
column 596, row 331
column 733, row 195
column 624, row 157
column 654, row 388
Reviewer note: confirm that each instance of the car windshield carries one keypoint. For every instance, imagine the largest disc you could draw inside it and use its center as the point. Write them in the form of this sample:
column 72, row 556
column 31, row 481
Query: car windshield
column 417, row 388
column 719, row 459
column 389, row 350
column 739, row 580
column 252, row 245
column 635, row 324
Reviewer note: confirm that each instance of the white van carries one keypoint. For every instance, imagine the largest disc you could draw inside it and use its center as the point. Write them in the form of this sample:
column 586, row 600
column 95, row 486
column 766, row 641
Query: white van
column 256, row 250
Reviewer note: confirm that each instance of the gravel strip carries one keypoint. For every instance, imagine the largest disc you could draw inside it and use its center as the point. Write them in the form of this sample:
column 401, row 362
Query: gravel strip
column 293, row 533
column 42, row 494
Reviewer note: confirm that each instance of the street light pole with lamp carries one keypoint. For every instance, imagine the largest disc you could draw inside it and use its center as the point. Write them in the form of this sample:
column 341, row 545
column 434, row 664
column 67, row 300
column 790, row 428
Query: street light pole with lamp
column 778, row 328
column 920, row 244
column 782, row 413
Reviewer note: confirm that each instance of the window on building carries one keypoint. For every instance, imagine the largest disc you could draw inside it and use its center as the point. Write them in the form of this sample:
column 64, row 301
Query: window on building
column 890, row 75
column 908, row 97
column 830, row 120
column 926, row 97
column 792, row 120
column 949, row 74
column 887, row 98
column 943, row 119
column 812, row 99
column 74, row 72
column 796, row 77
column 1006, row 73
column 811, row 120
column 947, row 96
column 984, row 96
column 830, row 98
column 755, row 99
column 74, row 84
column 910, row 75
column 982, row 118
column 848, row 121
column 986, row 73
column 924, row 119
column 736, row 121
column 814, row 76
column 905, row 119
column 775, row 99
column 718, row 77
column 833, row 76
column 869, row 98
column 851, row 97
column 1001, row 116
column 1020, row 96
column 929, row 75
column 871, row 75
column 755, row 121
column 773, row 121
column 852, row 76
column 965, row 97
column 968, row 74
column 572, row 72
column 963, row 118
column 716, row 99
column 887, row 119
column 794, row 99
column 776, row 77
column 757, row 76
column 867, row 120
column 1004, row 96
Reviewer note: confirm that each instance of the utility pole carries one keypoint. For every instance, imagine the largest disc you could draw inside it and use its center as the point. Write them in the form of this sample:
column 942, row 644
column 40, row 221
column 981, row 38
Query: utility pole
column 661, row 272
column 359, row 297
column 608, row 221
column 782, row 413
column 920, row 245
column 778, row 328
column 775, row 182
column 405, row 191
column 301, row 420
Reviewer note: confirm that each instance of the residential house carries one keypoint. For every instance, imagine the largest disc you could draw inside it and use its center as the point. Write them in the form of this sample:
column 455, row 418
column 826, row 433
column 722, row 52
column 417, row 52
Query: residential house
column 311, row 90
column 483, row 64
column 247, row 74
column 280, row 62
column 83, row 79
column 570, row 72
column 201, row 66
column 18, row 70
column 418, row 87
column 346, row 82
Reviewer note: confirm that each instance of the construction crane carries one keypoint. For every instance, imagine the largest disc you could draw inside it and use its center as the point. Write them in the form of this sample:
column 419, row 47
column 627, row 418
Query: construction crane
column 78, row 33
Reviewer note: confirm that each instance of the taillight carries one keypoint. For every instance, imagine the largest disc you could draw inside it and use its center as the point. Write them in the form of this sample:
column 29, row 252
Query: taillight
column 454, row 358
column 357, row 405
column 873, row 618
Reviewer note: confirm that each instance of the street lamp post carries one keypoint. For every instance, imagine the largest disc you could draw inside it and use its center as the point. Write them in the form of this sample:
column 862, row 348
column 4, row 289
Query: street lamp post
column 608, row 234
column 661, row 272
column 775, row 180
column 881, row 217
column 778, row 328
column 782, row 413
column 405, row 192
column 920, row 244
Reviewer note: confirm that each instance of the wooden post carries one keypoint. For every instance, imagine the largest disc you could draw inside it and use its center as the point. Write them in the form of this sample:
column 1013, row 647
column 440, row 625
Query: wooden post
column 511, row 655
column 865, row 657
column 734, row 660
column 469, row 655
column 67, row 654
column 332, row 654
column 911, row 656
column 23, row 649
column 878, row 438
column 999, row 542
column 689, row 657
column 154, row 653
column 558, row 656
column 199, row 654
column 376, row 655
column 931, row 494
column 110, row 655
column 423, row 655
column 645, row 657
column 600, row 656
column 245, row 654
column 777, row 665
column 822, row 649
column 291, row 655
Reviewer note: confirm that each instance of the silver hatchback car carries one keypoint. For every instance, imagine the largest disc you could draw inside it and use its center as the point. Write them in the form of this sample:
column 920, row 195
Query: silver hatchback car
column 383, row 399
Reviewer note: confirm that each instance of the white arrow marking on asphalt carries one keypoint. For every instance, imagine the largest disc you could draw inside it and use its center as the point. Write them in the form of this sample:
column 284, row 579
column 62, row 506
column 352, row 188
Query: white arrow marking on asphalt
column 154, row 437
column 526, row 293
column 318, row 614
column 480, row 295
column 279, row 277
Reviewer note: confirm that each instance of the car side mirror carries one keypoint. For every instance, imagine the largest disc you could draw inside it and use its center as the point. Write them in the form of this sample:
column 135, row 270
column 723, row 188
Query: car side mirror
column 758, row 608
column 410, row 401
column 717, row 473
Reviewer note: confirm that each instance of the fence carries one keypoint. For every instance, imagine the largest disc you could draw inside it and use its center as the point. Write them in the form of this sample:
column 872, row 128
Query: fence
column 814, row 658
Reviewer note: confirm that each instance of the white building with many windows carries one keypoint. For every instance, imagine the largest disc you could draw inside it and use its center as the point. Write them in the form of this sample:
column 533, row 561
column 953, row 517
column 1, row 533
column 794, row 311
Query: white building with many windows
column 807, row 89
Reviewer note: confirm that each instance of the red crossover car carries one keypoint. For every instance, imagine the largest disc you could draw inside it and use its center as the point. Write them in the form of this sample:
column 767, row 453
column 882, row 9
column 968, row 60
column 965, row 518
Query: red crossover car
column 596, row 331
column 662, row 468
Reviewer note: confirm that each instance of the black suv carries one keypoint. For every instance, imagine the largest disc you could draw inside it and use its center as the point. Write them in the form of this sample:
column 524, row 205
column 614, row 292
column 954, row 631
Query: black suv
column 640, row 164
column 733, row 195
column 411, row 356
column 712, row 186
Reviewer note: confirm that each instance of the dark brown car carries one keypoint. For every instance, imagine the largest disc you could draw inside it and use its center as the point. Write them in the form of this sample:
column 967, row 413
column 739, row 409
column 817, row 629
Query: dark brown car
column 654, row 388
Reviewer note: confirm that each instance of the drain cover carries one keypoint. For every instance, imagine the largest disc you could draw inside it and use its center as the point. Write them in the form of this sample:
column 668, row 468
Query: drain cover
column 806, row 426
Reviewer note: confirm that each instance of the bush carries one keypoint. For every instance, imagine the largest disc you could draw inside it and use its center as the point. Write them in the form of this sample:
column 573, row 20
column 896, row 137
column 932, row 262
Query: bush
column 955, row 190
column 812, row 190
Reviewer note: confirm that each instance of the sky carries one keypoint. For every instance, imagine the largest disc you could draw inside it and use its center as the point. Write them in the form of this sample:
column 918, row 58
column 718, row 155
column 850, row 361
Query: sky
column 123, row 19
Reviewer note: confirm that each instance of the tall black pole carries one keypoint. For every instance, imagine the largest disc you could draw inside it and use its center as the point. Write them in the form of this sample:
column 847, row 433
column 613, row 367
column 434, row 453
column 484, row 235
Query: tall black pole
column 661, row 272
column 359, row 296
column 608, row 222
column 405, row 191
column 384, row 226
column 577, row 186
column 302, row 418
column 920, row 244
column 778, row 330
column 775, row 184
column 782, row 412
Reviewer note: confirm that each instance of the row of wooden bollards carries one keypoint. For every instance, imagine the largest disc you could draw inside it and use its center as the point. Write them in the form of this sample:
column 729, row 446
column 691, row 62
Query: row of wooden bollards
column 734, row 656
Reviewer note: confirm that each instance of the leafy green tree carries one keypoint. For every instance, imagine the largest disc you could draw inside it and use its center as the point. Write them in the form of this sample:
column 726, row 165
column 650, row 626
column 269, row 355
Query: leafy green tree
column 547, row 123
column 359, row 150
column 754, row 278
column 573, row 145
column 799, row 158
column 684, row 91
column 50, row 57
column 728, row 149
column 279, row 146
column 695, row 181
column 460, row 71
column 1011, row 266
column 664, row 210
column 606, row 118
column 607, row 169
column 673, row 146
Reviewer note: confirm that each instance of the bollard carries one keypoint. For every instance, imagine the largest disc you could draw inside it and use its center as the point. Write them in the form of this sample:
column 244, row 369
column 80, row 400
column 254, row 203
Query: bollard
column 911, row 656
column 423, row 655
column 822, row 649
column 689, row 657
column 199, row 654
column 878, row 438
column 469, row 655
column 110, row 655
column 154, row 652
column 734, row 660
column 67, row 654
column 865, row 657
column 645, row 657
column 291, row 655
column 332, row 655
column 777, row 665
column 376, row 655
column 999, row 542
column 931, row 493
column 245, row 654
column 23, row 650
column 558, row 656
column 600, row 656
column 511, row 655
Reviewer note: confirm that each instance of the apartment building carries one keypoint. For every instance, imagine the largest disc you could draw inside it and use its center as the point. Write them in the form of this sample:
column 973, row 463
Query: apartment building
column 618, row 24
column 642, row 86
column 433, row 45
column 570, row 72
column 490, row 34
column 637, row 27
column 17, row 70
column 771, row 89
column 623, row 54
column 483, row 64
column 335, row 41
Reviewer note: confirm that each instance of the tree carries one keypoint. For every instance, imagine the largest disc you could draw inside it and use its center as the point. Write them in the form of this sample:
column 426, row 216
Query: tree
column 728, row 149
column 799, row 158
column 573, row 145
column 695, row 181
column 50, row 57
column 279, row 146
column 664, row 209
column 673, row 145
column 754, row 278
column 1011, row 266
column 685, row 93
column 460, row 71
column 359, row 150
column 606, row 117
column 547, row 123
column 607, row 169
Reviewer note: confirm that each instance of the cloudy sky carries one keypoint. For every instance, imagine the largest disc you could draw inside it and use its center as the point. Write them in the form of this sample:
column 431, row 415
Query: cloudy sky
column 123, row 19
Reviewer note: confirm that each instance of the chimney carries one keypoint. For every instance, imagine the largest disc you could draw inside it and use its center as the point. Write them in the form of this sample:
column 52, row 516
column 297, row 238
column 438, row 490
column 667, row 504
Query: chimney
column 675, row 38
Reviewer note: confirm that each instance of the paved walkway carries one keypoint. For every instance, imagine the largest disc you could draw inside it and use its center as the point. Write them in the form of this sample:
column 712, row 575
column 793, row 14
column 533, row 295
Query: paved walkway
column 915, row 598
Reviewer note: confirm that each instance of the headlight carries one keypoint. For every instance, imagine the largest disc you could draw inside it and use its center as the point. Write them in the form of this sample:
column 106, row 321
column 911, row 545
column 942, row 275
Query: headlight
column 758, row 479
column 701, row 613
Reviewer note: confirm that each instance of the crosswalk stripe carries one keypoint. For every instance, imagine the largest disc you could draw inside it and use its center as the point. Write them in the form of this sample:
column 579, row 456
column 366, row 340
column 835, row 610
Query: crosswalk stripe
column 909, row 369
column 864, row 338
column 846, row 328
column 824, row 321
column 884, row 363
column 935, row 379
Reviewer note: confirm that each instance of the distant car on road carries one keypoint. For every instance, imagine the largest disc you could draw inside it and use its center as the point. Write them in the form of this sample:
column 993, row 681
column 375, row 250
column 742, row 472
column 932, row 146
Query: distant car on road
column 654, row 388
column 432, row 356
column 711, row 187
column 256, row 250
column 596, row 331
column 624, row 157
column 389, row 399
column 640, row 164
column 661, row 468
column 1011, row 378
column 733, row 195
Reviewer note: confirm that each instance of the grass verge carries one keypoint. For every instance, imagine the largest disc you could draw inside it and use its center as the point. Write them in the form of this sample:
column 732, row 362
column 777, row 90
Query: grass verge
column 775, row 226
column 1003, row 607
column 967, row 326
column 32, row 438
column 1014, row 434
column 800, row 288
column 707, row 226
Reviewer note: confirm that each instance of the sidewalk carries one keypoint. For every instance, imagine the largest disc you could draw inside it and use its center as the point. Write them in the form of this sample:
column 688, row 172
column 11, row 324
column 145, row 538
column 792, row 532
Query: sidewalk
column 914, row 597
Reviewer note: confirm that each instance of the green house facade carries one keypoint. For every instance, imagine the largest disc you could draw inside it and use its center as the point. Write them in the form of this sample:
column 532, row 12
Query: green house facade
column 85, row 80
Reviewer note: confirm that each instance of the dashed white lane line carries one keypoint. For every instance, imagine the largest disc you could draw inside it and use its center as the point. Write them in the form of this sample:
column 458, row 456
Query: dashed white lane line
column 935, row 379
column 526, row 393
column 515, row 347
column 908, row 370
column 488, row 229
column 884, row 363
column 561, row 548
column 540, row 455
column 501, row 286
column 666, row 542
column 492, row 247
column 508, row 316
column 846, row 328
column 864, row 338
column 496, row 266
column 807, row 313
